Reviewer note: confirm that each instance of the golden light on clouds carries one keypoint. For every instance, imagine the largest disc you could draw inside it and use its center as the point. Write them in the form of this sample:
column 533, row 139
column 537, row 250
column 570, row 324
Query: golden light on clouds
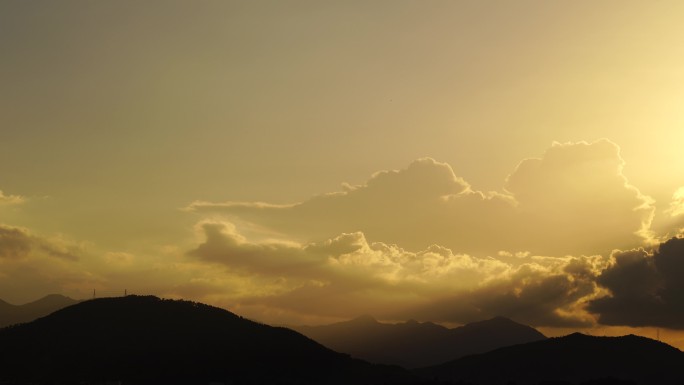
column 495, row 158
column 10, row 199
column 677, row 205
column 556, row 204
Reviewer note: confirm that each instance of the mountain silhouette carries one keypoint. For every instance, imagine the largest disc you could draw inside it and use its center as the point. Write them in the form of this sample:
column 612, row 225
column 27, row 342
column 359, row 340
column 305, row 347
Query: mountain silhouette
column 573, row 359
column 416, row 344
column 147, row 340
column 14, row 314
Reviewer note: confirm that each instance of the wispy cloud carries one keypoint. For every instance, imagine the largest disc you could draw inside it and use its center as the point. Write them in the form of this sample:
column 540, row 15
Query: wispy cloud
column 18, row 243
column 11, row 199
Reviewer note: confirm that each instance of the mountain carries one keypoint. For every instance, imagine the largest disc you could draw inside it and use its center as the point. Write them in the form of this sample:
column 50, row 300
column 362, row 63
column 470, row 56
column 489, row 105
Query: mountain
column 14, row 314
column 416, row 344
column 147, row 340
column 576, row 358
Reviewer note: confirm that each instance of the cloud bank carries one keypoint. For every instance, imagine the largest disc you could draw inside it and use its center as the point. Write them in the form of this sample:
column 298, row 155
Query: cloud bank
column 347, row 275
column 574, row 199
column 417, row 243
column 532, row 251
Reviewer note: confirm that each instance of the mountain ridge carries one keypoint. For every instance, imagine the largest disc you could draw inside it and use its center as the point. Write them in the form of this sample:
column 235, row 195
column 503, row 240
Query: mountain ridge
column 575, row 358
column 13, row 314
column 415, row 344
column 148, row 340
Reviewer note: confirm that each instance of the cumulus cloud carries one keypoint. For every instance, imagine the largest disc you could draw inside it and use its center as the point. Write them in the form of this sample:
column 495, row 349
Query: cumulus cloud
column 645, row 288
column 574, row 199
column 10, row 199
column 579, row 191
column 348, row 255
column 347, row 275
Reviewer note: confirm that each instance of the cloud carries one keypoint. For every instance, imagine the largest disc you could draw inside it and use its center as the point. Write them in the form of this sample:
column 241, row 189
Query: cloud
column 32, row 266
column 224, row 245
column 10, row 199
column 346, row 275
column 677, row 204
column 348, row 255
column 574, row 199
column 645, row 288
column 542, row 292
column 16, row 243
column 675, row 222
column 579, row 191
column 670, row 220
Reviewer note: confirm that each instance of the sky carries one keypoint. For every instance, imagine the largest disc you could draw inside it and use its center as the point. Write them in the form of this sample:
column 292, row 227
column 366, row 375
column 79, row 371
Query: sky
column 311, row 161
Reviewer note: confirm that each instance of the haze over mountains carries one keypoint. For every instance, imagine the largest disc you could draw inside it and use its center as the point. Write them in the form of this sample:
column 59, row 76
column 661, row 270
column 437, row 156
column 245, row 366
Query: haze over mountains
column 13, row 314
column 417, row 344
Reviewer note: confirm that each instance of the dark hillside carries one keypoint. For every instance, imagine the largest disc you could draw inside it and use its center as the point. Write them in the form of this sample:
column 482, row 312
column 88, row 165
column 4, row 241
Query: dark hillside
column 575, row 358
column 147, row 340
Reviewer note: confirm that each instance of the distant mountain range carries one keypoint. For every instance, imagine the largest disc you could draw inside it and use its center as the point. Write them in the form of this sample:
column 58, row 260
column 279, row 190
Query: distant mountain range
column 417, row 344
column 14, row 314
column 573, row 359
column 147, row 340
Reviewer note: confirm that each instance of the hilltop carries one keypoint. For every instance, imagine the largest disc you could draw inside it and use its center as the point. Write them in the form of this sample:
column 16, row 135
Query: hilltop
column 576, row 358
column 148, row 340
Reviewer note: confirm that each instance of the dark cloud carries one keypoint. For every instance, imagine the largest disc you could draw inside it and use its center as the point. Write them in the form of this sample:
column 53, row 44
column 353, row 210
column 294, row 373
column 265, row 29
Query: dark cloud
column 646, row 289
column 530, row 294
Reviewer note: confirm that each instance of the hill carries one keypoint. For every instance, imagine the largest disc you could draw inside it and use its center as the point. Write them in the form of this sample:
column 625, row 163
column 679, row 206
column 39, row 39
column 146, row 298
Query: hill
column 575, row 358
column 147, row 340
column 14, row 314
column 416, row 344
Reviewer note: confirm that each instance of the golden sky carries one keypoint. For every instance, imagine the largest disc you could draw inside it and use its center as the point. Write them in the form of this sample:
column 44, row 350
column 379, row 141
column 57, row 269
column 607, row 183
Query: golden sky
column 310, row 161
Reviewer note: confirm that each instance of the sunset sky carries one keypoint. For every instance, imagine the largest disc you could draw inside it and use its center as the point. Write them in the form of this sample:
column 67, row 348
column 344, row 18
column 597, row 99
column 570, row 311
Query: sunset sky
column 312, row 161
